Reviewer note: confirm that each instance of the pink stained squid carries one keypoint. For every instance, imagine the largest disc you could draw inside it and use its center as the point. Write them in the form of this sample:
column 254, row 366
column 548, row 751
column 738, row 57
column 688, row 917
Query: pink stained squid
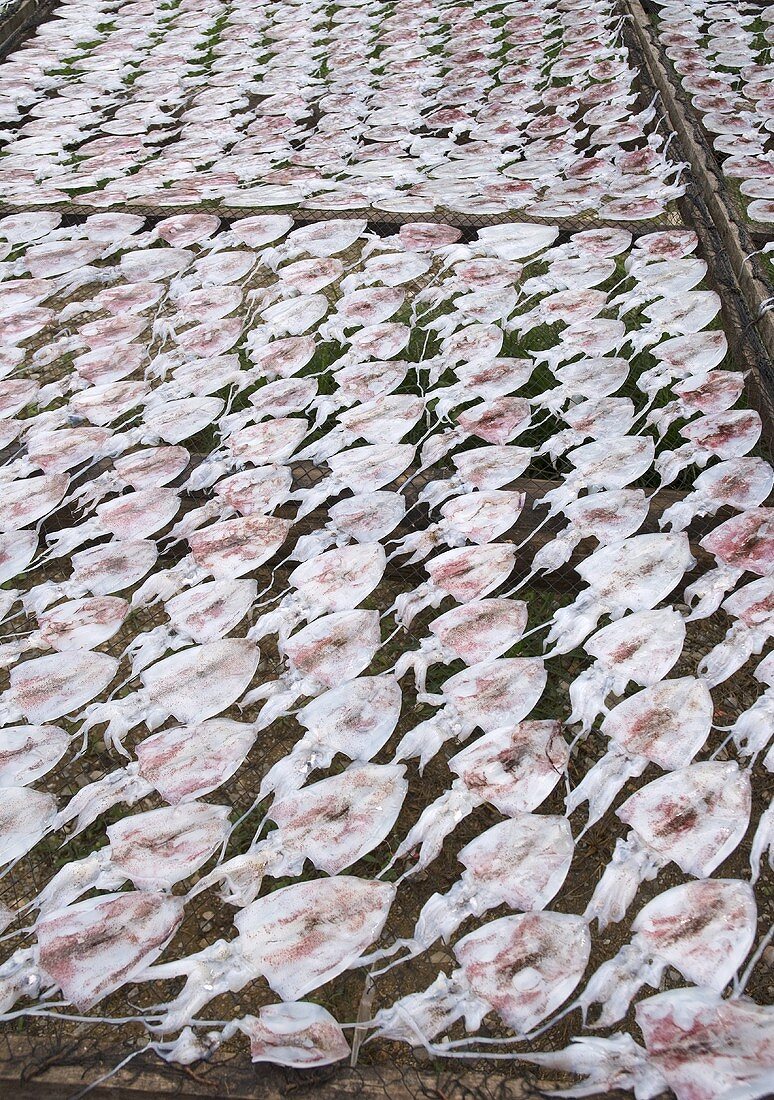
column 752, row 606
column 474, row 517
column 697, row 1043
column 179, row 763
column 468, row 573
column 641, row 648
column 331, row 823
column 355, row 718
column 521, row 862
column 523, row 967
column 90, row 949
column 514, row 768
column 744, row 543
column 487, row 695
column 665, row 724
column 192, row 685
column 633, row 575
column 327, row 652
column 298, row 938
column 693, row 816
column 704, row 929
column 154, row 850
column 336, row 580
column 477, row 631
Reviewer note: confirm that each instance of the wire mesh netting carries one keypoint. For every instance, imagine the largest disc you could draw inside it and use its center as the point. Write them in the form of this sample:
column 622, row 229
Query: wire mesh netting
column 206, row 922
column 464, row 285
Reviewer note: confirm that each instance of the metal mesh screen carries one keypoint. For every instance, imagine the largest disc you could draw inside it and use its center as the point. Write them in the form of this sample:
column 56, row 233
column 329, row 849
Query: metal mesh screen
column 36, row 1048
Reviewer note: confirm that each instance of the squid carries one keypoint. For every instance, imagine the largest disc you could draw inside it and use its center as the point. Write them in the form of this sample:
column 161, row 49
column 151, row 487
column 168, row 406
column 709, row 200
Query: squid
column 279, row 359
column 738, row 483
column 29, row 752
column 332, row 823
column 568, row 306
column 484, row 468
column 275, row 400
column 704, row 929
column 514, row 768
column 76, row 624
column 175, row 421
column 383, row 340
column 256, row 491
column 522, row 967
column 26, row 817
column 205, row 613
column 586, row 379
column 610, row 516
column 474, row 517
column 385, row 419
column 591, row 419
column 468, row 573
column 355, row 718
column 357, row 308
column 665, row 724
column 327, row 652
column 752, row 731
column 224, row 551
column 752, row 606
column 744, row 543
column 723, row 436
column 693, row 816
column 683, row 358
column 321, row 239
column 298, row 1034
column 192, row 685
column 499, row 421
column 477, row 380
column 633, row 575
column 267, row 443
column 608, row 463
column 154, row 850
column 137, row 514
column 336, row 580
column 361, row 382
column 104, row 404
column 521, row 862
column 46, row 688
column 180, row 763
column 487, row 695
column 657, row 279
column 362, row 518
column 697, row 1044
column 31, row 500
column 147, row 468
column 677, row 315
column 102, row 570
column 708, row 394
column 369, row 467
column 90, row 949
column 17, row 549
column 481, row 630
column 60, row 450
column 592, row 339
column 297, row 938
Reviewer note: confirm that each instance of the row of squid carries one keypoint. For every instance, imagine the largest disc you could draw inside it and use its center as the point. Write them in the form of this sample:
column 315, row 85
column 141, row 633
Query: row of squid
column 721, row 54
column 404, row 107
column 167, row 390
